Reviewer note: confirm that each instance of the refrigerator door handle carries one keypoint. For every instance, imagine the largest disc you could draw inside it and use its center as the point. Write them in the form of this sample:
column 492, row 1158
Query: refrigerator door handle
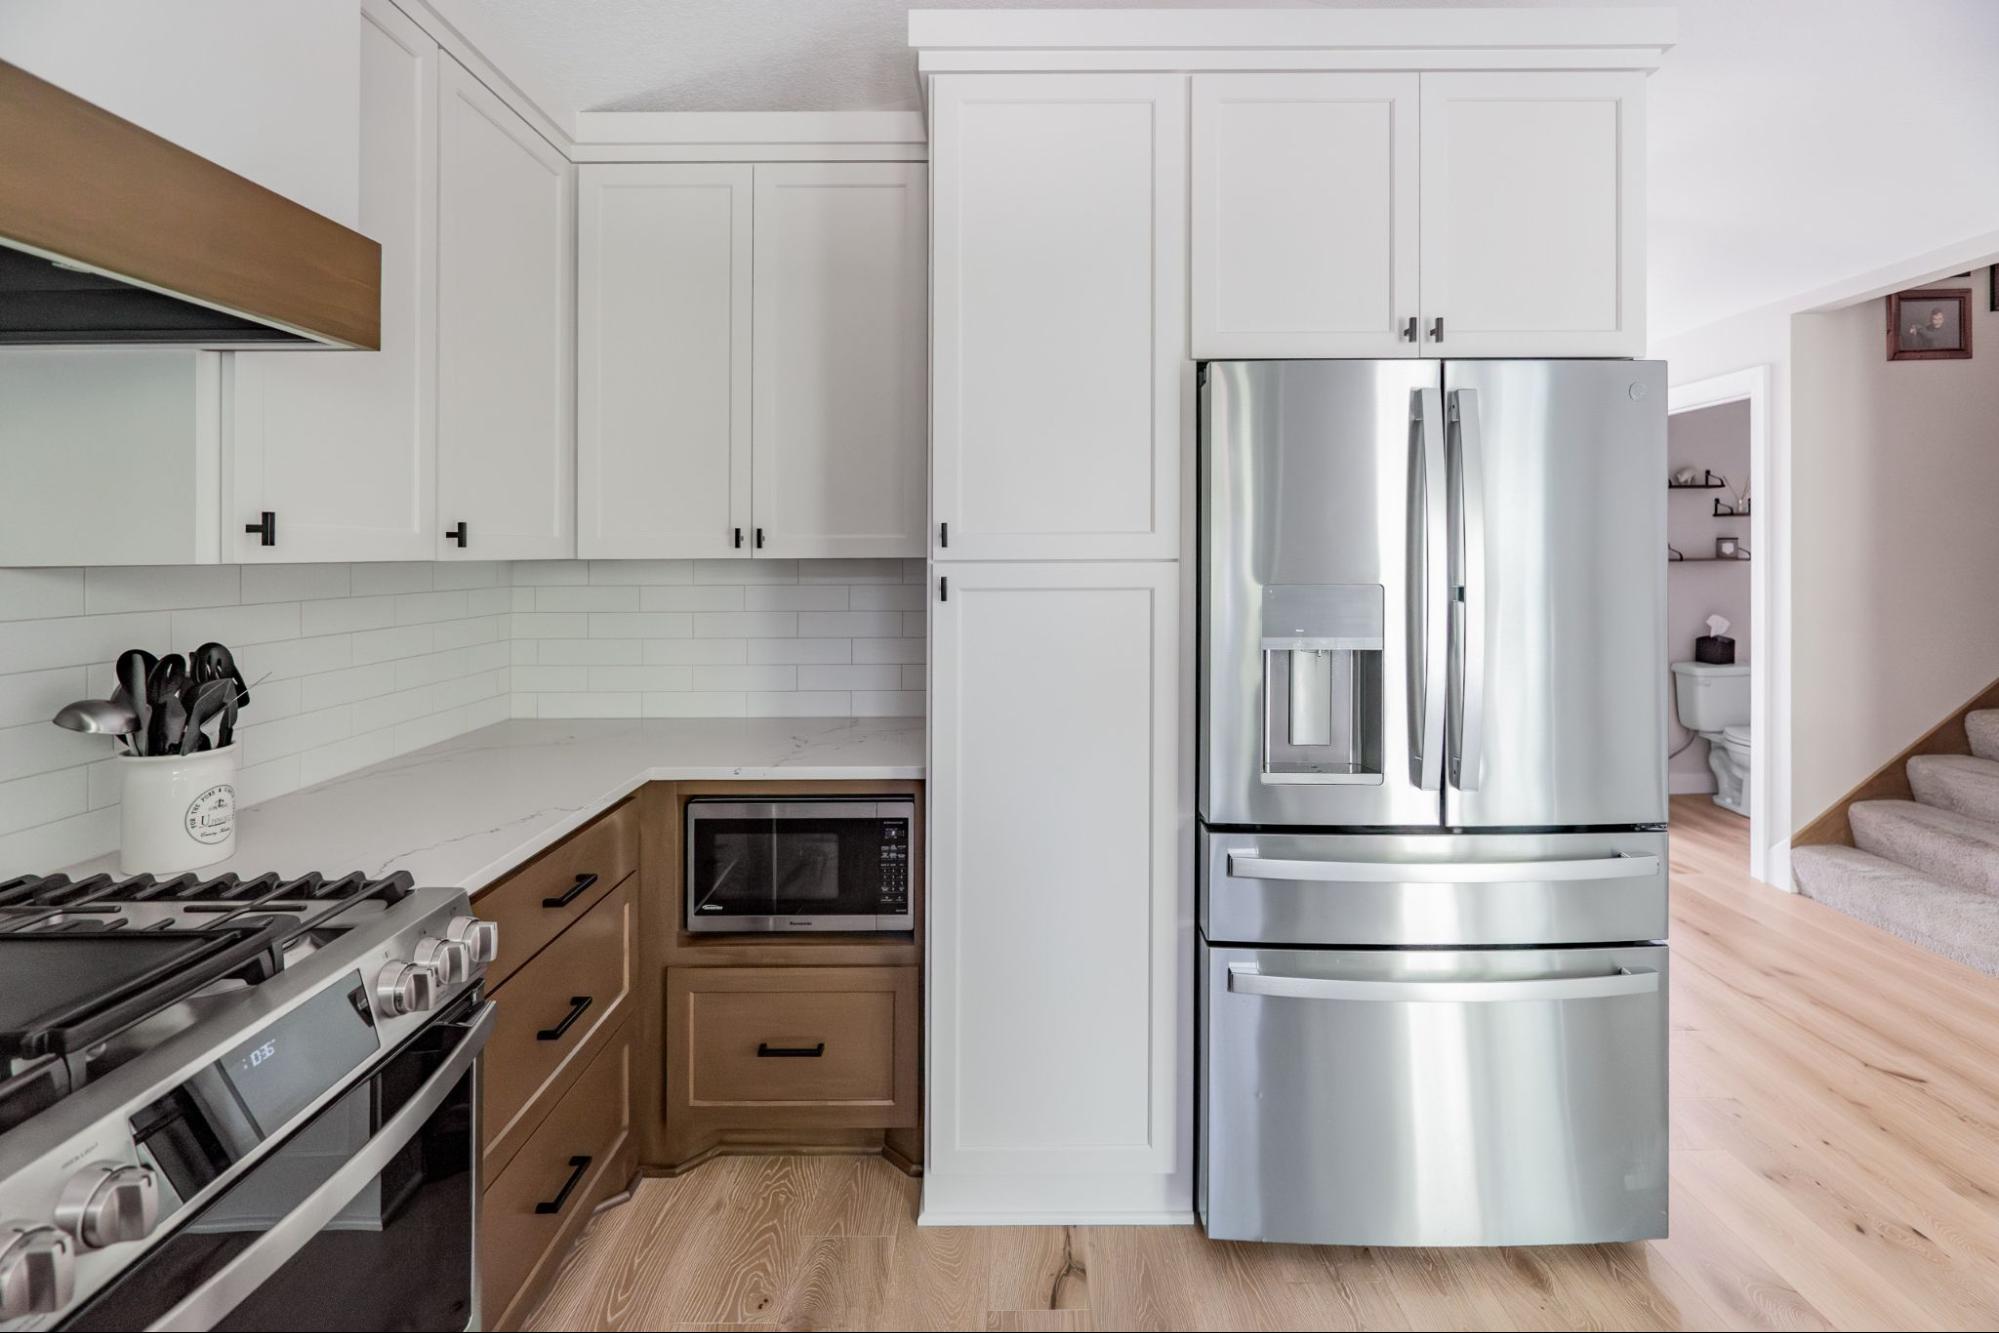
column 1249, row 979
column 1429, row 613
column 1248, row 865
column 1468, row 576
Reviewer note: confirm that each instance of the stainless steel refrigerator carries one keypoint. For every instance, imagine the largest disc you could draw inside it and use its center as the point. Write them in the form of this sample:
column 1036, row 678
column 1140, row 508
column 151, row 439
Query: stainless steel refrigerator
column 1433, row 802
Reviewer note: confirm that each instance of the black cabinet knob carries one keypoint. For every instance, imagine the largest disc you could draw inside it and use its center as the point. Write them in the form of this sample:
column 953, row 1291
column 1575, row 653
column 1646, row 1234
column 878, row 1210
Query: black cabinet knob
column 457, row 534
column 265, row 529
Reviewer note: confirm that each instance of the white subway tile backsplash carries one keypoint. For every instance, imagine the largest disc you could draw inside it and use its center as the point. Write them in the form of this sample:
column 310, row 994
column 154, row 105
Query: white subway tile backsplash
column 295, row 583
column 351, row 665
column 159, row 587
column 40, row 594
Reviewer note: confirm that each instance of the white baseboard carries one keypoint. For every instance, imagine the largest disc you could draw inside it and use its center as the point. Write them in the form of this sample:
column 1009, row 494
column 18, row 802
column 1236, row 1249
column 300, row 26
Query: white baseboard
column 930, row 1218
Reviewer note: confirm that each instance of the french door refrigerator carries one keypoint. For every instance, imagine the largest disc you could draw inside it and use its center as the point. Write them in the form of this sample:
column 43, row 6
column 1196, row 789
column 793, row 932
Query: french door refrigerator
column 1432, row 797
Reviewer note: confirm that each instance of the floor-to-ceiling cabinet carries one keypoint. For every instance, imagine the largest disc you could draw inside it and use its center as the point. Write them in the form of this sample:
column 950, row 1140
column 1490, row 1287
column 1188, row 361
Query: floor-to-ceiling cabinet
column 1059, row 1037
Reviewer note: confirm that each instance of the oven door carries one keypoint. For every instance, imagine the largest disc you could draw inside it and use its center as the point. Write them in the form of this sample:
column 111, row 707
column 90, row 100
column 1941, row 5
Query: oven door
column 799, row 865
column 362, row 1219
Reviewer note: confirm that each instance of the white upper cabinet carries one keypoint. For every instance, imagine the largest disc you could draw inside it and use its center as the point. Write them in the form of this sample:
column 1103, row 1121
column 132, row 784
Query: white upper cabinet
column 506, row 443
column 1304, row 215
column 1534, row 214
column 1060, row 1044
column 663, row 350
column 1059, row 269
column 841, row 363
column 341, row 446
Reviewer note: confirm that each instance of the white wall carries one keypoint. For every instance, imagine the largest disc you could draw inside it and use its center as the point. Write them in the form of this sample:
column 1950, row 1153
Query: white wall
column 1717, row 439
column 1896, row 541
column 269, row 89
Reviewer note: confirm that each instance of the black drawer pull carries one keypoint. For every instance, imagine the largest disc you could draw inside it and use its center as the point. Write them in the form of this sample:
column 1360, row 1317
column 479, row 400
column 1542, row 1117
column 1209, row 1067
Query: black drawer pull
column 575, row 891
column 577, row 1004
column 577, row 1166
column 766, row 1051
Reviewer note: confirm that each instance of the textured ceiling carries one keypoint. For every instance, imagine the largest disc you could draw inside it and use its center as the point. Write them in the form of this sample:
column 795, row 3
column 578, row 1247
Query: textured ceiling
column 1793, row 142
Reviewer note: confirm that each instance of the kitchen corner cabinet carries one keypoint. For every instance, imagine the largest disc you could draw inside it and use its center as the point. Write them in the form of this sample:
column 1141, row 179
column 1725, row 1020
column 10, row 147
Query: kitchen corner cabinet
column 1060, row 917
column 506, row 443
column 1059, row 280
column 1501, row 212
column 751, row 350
column 341, row 446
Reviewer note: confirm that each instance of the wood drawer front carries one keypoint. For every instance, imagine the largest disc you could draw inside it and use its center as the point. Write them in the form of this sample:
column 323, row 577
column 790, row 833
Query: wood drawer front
column 520, row 1246
column 528, row 903
column 861, row 1020
column 587, row 973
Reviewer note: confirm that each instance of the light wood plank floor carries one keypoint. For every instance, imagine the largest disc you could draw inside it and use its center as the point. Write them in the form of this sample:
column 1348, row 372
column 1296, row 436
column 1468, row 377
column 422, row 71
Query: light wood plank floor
column 1835, row 1165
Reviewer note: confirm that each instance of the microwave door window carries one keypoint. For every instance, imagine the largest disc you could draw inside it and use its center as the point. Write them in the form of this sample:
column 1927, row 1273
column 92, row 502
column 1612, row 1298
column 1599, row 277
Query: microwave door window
column 733, row 867
column 808, row 870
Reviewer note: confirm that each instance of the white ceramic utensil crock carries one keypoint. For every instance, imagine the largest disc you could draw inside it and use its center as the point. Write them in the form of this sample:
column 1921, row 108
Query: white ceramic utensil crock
column 180, row 811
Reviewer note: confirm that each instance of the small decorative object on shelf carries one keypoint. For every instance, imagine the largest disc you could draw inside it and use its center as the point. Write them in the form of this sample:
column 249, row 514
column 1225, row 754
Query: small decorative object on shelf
column 1686, row 479
column 1726, row 548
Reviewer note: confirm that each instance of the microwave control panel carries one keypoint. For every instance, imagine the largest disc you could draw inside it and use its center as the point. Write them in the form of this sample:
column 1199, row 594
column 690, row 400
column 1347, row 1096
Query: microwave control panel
column 894, row 892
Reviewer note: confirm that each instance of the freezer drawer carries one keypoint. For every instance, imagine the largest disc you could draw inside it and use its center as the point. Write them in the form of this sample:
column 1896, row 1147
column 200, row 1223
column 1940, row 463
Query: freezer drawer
column 1375, row 1097
column 1433, row 889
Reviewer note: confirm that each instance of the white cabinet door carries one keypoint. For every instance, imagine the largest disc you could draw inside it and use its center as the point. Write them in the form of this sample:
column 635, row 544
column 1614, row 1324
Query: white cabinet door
column 341, row 446
column 663, row 462
column 1060, row 1045
column 842, row 337
column 1059, row 318
column 1304, row 215
column 1534, row 214
column 506, row 438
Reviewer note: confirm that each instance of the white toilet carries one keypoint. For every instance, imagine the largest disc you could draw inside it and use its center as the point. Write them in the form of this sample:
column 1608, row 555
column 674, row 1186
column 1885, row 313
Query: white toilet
column 1714, row 701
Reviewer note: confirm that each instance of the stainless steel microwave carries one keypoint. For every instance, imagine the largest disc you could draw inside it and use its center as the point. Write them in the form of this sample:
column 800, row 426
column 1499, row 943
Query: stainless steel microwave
column 834, row 863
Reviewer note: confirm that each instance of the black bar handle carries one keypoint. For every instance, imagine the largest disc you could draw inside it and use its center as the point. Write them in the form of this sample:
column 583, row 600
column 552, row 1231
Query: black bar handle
column 575, row 891
column 265, row 529
column 943, row 587
column 739, row 539
column 766, row 1051
column 577, row 1166
column 457, row 534
column 943, row 534
column 1409, row 330
column 760, row 539
column 1437, row 329
column 577, row 1004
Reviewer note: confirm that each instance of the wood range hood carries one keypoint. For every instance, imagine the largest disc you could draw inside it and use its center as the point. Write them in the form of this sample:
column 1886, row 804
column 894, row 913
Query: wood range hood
column 110, row 234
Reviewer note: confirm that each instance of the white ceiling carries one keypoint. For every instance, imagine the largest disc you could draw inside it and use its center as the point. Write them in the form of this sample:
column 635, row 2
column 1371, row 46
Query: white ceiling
column 1793, row 142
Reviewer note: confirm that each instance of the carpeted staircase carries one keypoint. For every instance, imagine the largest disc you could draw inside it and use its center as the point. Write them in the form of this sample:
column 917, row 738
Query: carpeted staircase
column 1927, row 869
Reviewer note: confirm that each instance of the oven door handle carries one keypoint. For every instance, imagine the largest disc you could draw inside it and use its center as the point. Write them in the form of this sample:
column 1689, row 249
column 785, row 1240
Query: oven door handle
column 206, row 1305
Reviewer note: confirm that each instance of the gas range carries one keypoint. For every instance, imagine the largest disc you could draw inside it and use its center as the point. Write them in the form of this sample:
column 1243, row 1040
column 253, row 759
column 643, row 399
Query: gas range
column 161, row 1038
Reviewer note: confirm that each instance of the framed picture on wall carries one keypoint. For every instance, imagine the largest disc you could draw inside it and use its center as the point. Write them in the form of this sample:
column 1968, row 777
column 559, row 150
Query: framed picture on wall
column 1930, row 324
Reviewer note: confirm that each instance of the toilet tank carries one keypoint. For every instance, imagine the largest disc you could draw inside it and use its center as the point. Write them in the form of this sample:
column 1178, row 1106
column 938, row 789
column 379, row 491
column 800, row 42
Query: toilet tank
column 1711, row 697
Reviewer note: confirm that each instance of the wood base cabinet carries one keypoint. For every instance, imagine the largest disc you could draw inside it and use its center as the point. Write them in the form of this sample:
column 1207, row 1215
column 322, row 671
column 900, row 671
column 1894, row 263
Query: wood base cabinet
column 761, row 1056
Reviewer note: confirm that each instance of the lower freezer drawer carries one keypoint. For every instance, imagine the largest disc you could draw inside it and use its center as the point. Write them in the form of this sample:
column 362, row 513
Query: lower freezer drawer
column 1433, row 1097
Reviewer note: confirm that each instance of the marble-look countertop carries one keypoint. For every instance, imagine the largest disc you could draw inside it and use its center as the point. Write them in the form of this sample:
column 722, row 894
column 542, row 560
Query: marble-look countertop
column 465, row 812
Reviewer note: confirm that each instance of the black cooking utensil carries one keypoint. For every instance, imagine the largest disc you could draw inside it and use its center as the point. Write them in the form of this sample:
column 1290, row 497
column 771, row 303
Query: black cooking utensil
column 169, row 724
column 208, row 701
column 135, row 665
column 213, row 661
column 169, row 676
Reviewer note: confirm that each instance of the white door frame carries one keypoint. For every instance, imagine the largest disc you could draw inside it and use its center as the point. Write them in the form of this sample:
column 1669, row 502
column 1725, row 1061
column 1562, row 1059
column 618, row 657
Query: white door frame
column 1769, row 772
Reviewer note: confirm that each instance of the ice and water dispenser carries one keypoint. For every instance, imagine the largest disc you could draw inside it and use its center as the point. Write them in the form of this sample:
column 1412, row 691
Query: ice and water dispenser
column 1322, row 683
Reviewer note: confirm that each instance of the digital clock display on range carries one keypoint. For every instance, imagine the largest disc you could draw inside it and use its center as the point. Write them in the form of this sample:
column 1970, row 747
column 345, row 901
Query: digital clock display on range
column 278, row 1072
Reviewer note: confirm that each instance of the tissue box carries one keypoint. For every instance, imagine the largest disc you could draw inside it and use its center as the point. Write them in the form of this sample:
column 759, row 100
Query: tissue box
column 1714, row 650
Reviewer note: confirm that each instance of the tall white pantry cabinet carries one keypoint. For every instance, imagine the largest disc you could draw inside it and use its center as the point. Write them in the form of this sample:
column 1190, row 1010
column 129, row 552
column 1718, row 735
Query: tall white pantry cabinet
column 1060, row 1023
column 1244, row 185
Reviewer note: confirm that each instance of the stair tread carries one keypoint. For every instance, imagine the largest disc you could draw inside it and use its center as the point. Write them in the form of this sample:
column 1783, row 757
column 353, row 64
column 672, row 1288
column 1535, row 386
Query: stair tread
column 1945, row 918
column 1941, row 844
column 1960, row 782
column 1981, row 726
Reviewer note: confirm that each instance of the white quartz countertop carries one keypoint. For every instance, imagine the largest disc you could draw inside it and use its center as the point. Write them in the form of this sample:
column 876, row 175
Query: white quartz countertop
column 465, row 812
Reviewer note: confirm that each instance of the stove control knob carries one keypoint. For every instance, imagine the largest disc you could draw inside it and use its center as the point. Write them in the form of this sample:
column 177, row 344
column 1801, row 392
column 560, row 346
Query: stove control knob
column 37, row 1270
column 449, row 960
column 405, row 988
column 108, row 1203
column 482, row 937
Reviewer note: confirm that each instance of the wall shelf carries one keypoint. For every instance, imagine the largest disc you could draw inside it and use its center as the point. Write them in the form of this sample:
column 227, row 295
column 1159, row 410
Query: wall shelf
column 1710, row 482
column 1707, row 560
